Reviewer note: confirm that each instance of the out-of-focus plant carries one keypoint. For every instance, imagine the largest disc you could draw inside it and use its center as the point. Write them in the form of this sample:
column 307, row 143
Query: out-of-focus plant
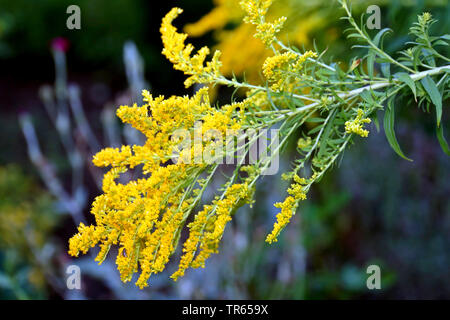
column 27, row 219
column 306, row 20
column 145, row 217
column 64, row 107
column 233, row 35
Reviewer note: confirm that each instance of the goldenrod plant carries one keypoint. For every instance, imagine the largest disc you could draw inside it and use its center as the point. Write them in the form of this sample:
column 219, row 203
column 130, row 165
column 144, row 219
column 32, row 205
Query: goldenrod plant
column 304, row 94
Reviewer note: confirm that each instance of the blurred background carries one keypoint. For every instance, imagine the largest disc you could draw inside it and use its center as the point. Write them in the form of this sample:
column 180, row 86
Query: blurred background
column 59, row 90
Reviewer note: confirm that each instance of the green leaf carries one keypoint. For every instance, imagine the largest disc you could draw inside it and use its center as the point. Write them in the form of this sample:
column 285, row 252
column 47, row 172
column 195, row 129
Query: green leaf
column 386, row 69
column 388, row 124
column 315, row 120
column 435, row 96
column 440, row 43
column 405, row 78
column 442, row 141
column 315, row 129
column 379, row 36
column 326, row 134
column 367, row 96
column 376, row 121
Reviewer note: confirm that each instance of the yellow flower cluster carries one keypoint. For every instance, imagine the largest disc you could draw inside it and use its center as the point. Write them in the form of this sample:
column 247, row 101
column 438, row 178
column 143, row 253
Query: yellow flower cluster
column 86, row 238
column 145, row 217
column 266, row 31
column 206, row 231
column 303, row 143
column 256, row 11
column 288, row 207
column 180, row 54
column 281, row 68
column 356, row 125
column 272, row 64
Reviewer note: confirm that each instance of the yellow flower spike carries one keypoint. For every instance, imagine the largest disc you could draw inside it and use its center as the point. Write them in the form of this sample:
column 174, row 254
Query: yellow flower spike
column 256, row 11
column 86, row 238
column 288, row 207
column 266, row 31
column 278, row 69
column 301, row 59
column 113, row 156
column 190, row 245
column 180, row 54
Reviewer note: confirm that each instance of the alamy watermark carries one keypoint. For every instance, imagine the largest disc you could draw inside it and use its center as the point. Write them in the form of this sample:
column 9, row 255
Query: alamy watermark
column 374, row 278
column 244, row 147
column 73, row 280
column 74, row 20
column 374, row 20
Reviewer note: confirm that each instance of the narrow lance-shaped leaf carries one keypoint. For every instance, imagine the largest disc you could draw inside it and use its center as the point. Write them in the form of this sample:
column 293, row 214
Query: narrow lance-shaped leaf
column 388, row 124
column 377, row 39
column 442, row 140
column 435, row 96
column 405, row 78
